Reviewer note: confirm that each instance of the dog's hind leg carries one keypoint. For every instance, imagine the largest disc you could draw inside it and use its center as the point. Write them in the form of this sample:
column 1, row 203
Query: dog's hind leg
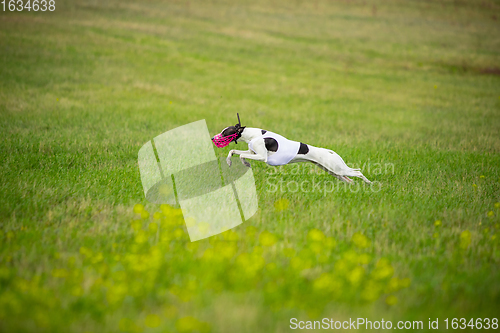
column 360, row 175
column 347, row 179
column 331, row 162
column 342, row 178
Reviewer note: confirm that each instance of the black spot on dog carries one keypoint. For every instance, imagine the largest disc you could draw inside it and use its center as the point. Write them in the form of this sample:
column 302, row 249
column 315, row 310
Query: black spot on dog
column 263, row 132
column 271, row 144
column 304, row 149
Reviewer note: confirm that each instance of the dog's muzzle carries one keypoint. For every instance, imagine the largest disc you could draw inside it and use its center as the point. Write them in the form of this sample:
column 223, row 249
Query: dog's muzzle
column 222, row 141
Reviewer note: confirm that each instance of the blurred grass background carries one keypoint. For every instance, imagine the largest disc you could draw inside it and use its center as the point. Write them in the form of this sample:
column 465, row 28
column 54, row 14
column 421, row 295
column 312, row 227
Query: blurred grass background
column 414, row 84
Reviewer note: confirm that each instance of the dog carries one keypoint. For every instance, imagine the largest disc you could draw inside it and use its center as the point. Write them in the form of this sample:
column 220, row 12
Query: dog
column 275, row 150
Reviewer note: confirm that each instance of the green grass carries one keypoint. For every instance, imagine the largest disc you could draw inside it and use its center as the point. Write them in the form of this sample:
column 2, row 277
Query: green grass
column 409, row 84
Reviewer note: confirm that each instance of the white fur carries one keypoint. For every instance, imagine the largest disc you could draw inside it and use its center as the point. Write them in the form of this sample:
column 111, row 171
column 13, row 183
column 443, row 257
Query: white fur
column 326, row 159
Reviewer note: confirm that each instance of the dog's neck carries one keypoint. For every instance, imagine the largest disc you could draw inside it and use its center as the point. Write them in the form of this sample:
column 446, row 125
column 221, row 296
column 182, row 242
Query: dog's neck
column 249, row 134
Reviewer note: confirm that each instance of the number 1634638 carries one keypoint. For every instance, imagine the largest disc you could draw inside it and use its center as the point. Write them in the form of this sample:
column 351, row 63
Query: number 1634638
column 28, row 5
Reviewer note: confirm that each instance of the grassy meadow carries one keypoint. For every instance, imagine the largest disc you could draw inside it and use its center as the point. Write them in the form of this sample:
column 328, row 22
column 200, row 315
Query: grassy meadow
column 409, row 91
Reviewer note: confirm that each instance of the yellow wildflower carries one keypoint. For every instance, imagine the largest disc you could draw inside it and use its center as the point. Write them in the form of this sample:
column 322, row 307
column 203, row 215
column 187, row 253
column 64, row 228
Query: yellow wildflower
column 391, row 300
column 267, row 239
column 153, row 227
column 465, row 239
column 360, row 240
column 383, row 269
column 281, row 204
column 144, row 214
column 136, row 224
column 316, row 235
column 138, row 208
column 191, row 324
column 152, row 320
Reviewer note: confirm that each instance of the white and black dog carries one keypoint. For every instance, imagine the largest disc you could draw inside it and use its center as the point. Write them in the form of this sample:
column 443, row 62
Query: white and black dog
column 275, row 149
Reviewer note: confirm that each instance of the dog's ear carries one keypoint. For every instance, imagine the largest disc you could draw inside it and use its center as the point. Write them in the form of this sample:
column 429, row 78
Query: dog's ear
column 239, row 130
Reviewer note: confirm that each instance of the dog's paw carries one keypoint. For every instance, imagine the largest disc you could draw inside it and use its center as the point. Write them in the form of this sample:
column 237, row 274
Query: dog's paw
column 245, row 163
column 228, row 161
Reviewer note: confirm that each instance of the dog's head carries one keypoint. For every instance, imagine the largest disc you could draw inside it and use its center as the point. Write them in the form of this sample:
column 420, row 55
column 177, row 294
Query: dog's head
column 228, row 135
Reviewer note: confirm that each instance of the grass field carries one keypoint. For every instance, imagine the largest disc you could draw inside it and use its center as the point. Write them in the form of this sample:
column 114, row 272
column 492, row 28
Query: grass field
column 407, row 90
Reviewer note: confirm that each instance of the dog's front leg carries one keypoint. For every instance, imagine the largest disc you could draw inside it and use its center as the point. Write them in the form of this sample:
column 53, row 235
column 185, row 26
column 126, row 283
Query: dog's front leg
column 259, row 153
column 238, row 152
column 255, row 157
